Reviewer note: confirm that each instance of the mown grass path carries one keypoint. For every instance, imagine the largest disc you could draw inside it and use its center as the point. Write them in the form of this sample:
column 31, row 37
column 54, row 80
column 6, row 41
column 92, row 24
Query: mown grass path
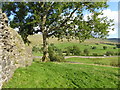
column 91, row 64
column 81, row 56
column 91, row 60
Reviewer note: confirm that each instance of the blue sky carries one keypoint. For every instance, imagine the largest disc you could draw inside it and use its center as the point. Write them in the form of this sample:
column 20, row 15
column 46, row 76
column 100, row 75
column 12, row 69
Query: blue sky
column 113, row 6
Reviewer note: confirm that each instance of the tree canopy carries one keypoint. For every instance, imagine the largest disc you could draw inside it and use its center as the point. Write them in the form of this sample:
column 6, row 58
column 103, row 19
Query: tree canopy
column 59, row 19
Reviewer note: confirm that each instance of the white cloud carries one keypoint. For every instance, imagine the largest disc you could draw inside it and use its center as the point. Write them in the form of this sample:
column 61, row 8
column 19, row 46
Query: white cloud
column 111, row 15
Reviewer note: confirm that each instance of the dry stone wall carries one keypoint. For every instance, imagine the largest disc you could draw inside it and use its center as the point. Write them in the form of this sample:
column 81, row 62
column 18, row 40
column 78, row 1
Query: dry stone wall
column 13, row 52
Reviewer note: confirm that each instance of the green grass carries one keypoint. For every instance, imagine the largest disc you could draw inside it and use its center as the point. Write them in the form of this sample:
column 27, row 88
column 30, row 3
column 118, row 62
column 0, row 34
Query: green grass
column 112, row 61
column 37, row 54
column 36, row 40
column 99, row 48
column 63, row 75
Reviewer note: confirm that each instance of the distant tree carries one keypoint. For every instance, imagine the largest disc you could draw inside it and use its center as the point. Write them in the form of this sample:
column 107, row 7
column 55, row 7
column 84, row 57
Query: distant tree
column 59, row 19
column 108, row 53
column 94, row 47
column 104, row 47
column 86, row 51
column 118, row 45
column 74, row 50
column 114, row 47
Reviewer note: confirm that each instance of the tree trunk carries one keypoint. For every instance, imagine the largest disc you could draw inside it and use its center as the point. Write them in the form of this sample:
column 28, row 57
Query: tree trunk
column 45, row 48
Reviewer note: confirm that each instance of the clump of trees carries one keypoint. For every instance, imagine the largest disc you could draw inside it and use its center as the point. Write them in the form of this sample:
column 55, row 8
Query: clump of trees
column 86, row 51
column 114, row 47
column 109, row 53
column 94, row 47
column 118, row 45
column 95, row 54
column 74, row 50
column 55, row 54
column 58, row 19
column 104, row 47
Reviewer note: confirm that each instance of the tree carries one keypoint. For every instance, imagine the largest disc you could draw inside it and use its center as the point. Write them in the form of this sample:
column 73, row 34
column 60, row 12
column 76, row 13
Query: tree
column 104, row 47
column 86, row 51
column 21, row 18
column 62, row 20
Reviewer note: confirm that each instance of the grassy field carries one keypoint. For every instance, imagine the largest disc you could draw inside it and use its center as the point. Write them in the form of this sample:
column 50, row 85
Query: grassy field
column 112, row 61
column 63, row 75
column 68, row 75
column 99, row 49
column 36, row 40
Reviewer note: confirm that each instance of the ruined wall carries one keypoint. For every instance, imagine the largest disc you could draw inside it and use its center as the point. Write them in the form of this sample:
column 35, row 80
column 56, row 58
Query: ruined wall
column 13, row 52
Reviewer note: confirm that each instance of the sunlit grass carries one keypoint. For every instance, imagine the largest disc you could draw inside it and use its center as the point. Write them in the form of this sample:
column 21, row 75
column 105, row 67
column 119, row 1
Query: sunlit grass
column 36, row 40
column 63, row 75
column 112, row 61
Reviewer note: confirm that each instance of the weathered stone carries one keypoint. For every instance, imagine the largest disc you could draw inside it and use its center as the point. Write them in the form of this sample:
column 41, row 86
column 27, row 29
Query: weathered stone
column 13, row 52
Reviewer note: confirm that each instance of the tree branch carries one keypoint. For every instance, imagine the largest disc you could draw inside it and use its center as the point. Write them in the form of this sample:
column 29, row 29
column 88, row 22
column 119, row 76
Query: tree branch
column 62, row 24
column 49, row 35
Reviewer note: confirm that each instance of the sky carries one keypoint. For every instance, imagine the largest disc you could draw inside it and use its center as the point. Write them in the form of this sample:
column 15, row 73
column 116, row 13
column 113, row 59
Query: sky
column 112, row 13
